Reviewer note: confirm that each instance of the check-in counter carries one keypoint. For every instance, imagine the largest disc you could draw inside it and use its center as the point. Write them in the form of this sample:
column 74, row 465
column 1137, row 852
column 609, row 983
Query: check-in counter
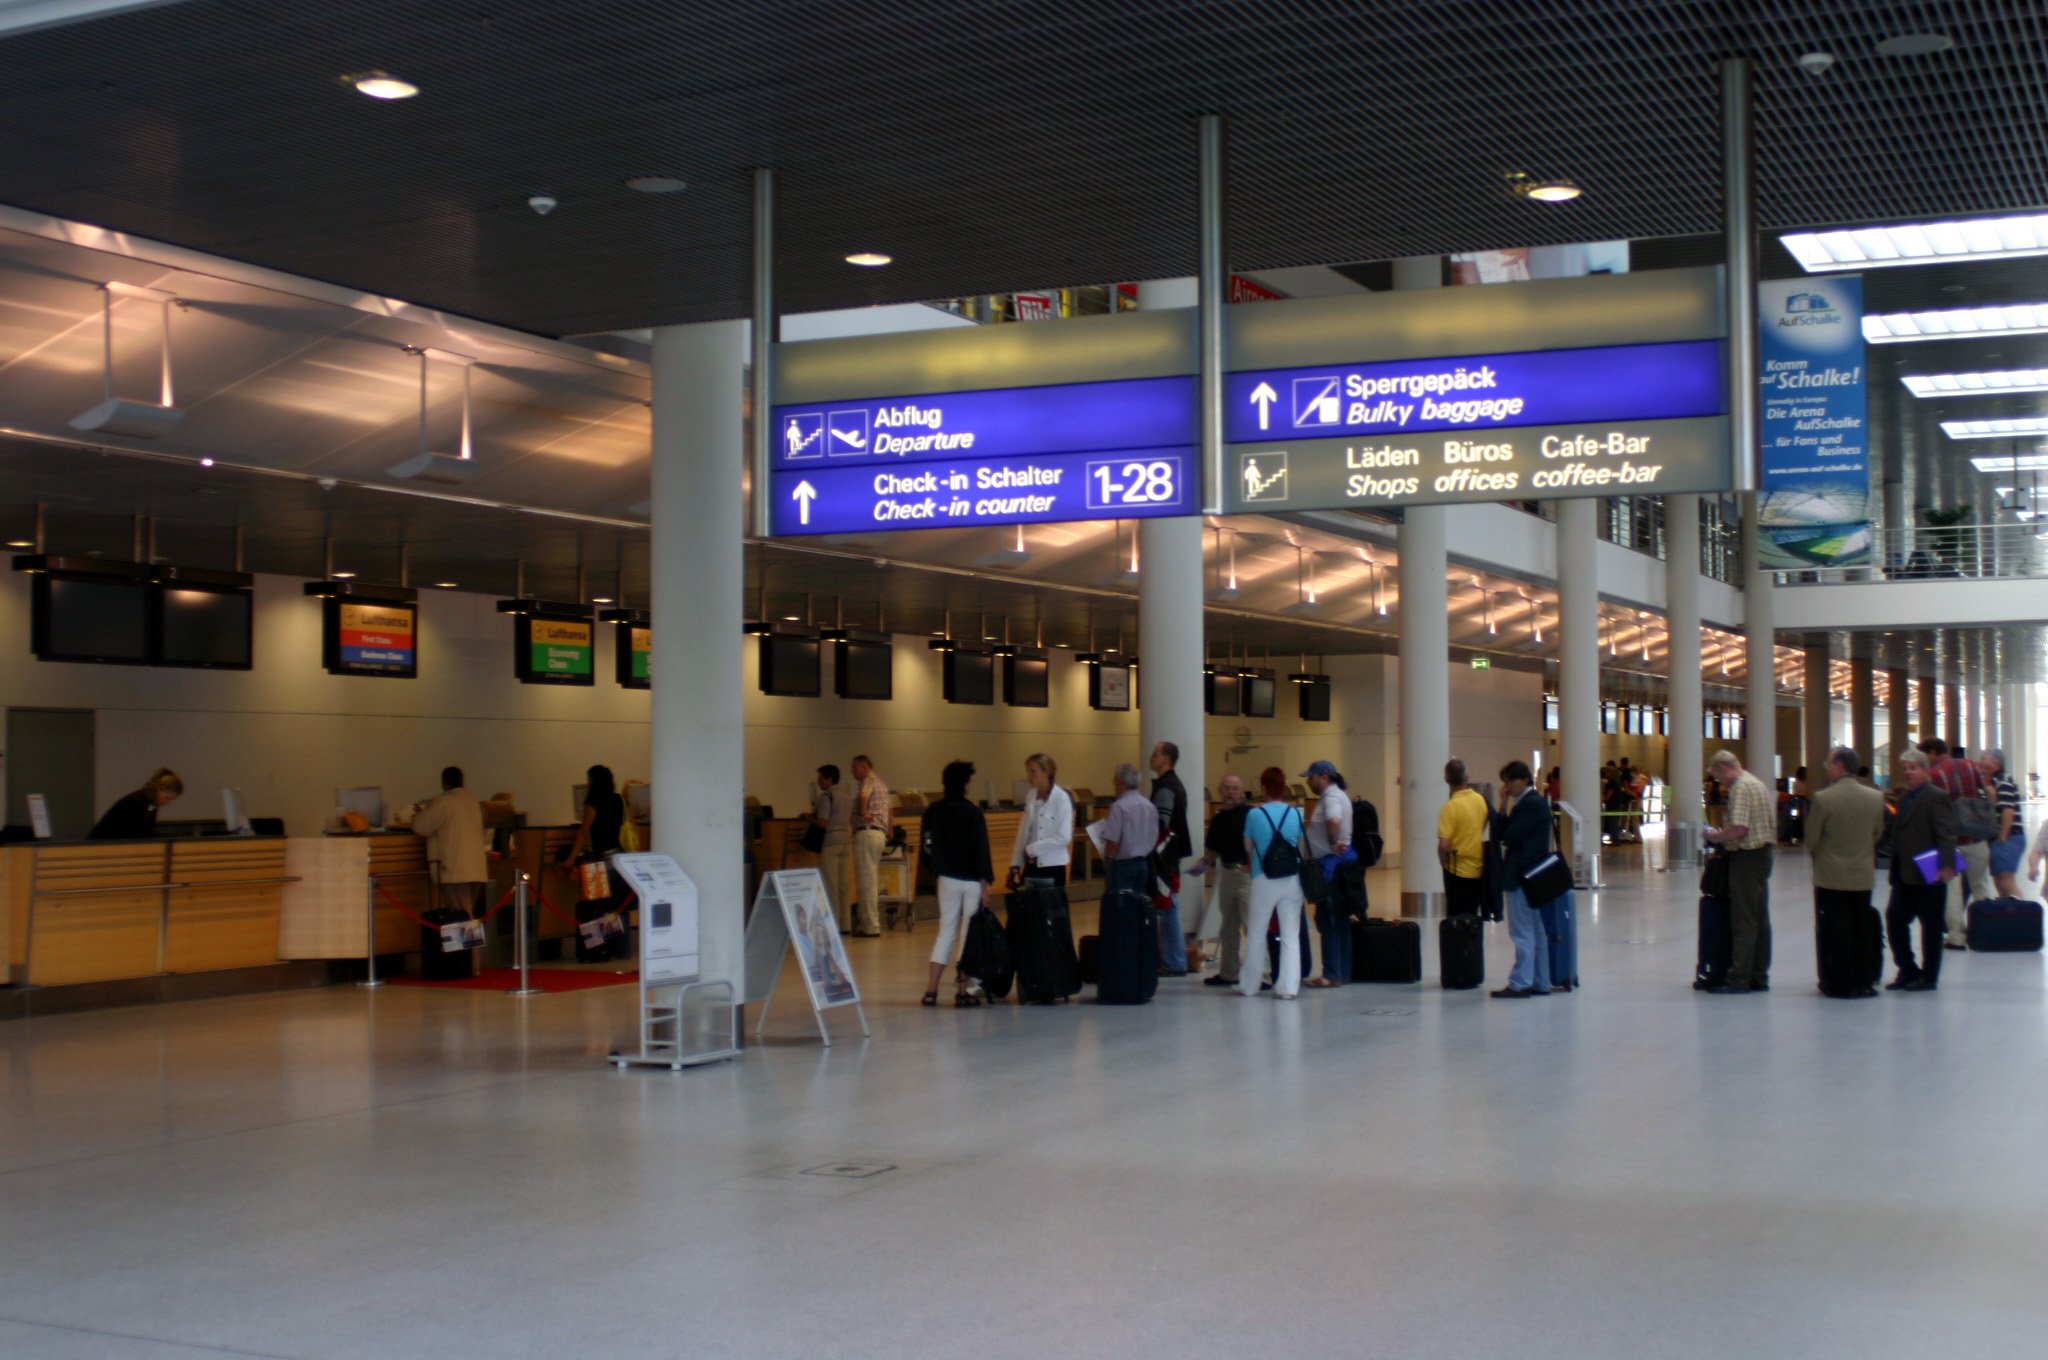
column 780, row 844
column 340, row 881
column 100, row 911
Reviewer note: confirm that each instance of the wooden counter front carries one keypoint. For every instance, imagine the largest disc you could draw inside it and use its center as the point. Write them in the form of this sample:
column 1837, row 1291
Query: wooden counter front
column 324, row 912
column 101, row 911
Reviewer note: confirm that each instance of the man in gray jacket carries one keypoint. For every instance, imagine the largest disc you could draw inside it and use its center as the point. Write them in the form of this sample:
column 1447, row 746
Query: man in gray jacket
column 1842, row 832
column 1926, row 823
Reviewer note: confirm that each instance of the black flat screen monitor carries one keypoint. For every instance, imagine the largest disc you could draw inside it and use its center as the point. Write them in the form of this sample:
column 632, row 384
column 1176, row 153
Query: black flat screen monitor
column 202, row 627
column 867, row 670
column 1315, row 701
column 789, row 666
column 1258, row 696
column 1223, row 694
column 88, row 618
column 1027, row 682
column 970, row 677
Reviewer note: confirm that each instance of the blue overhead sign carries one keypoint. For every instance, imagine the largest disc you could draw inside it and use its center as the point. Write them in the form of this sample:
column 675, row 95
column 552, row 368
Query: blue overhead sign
column 1485, row 392
column 1073, row 451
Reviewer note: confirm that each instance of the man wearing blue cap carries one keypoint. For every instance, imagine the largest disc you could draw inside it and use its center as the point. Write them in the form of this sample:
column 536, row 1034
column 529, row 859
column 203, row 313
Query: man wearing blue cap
column 1329, row 840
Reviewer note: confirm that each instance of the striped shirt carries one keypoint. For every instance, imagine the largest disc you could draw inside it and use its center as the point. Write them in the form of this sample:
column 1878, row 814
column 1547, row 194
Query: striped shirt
column 1749, row 805
column 2009, row 797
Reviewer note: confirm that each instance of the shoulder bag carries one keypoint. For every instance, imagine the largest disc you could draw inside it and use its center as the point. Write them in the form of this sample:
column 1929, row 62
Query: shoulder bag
column 1548, row 878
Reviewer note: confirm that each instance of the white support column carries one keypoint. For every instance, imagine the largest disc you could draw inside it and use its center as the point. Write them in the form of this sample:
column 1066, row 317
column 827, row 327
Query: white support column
column 1687, row 765
column 1425, row 702
column 1170, row 635
column 1862, row 709
column 698, row 553
column 1820, row 707
column 1900, row 735
column 1760, row 712
column 1578, row 668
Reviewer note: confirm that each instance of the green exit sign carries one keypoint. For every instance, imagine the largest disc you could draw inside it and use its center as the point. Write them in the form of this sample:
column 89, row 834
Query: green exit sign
column 1482, row 663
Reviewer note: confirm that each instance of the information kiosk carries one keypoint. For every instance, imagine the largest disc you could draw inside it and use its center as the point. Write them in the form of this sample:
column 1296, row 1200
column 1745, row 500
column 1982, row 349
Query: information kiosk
column 669, row 972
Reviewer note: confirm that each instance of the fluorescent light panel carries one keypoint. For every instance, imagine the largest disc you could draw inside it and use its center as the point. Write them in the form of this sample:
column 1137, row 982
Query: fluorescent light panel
column 1976, row 384
column 1959, row 323
column 2022, row 462
column 1995, row 429
column 1822, row 252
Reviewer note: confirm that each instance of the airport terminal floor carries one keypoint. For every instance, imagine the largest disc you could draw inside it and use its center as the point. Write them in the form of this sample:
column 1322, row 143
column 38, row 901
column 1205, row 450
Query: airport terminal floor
column 1633, row 1170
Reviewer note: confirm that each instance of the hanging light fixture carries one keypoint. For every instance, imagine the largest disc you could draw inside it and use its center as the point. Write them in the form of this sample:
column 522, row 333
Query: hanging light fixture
column 1305, row 601
column 119, row 415
column 440, row 469
column 1226, row 587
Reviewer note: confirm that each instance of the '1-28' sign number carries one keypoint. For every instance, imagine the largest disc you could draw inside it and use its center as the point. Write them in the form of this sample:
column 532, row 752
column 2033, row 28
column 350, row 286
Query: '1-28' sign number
column 1132, row 482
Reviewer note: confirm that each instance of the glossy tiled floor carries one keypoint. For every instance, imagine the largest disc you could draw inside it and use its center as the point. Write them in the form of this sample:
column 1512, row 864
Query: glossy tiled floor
column 1634, row 1171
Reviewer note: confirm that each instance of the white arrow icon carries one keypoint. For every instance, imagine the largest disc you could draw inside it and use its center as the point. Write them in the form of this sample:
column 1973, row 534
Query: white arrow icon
column 804, row 494
column 1263, row 397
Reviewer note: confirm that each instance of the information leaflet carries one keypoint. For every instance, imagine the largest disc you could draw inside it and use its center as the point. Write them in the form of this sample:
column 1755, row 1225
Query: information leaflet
column 1813, row 502
column 1075, row 451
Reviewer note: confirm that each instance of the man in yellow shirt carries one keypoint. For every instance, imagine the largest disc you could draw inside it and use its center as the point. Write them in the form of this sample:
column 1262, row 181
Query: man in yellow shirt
column 1461, row 841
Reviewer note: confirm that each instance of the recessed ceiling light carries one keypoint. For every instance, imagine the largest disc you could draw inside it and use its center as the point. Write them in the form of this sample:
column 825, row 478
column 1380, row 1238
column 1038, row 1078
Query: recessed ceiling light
column 19, row 543
column 656, row 184
column 444, row 585
column 344, row 575
column 382, row 85
column 1553, row 191
column 869, row 259
column 1915, row 44
column 2011, row 462
column 206, row 462
column 600, row 599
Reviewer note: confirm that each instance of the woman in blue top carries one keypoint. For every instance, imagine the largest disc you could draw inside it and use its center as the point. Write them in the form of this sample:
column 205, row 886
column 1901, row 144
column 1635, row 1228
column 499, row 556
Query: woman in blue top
column 1274, row 819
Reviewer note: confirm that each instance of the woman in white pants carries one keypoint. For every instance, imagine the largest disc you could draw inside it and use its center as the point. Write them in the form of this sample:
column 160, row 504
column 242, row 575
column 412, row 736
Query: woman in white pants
column 956, row 846
column 1274, row 819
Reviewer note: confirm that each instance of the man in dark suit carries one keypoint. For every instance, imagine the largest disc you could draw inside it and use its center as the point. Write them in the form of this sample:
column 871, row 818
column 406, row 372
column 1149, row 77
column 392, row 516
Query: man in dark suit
column 1926, row 821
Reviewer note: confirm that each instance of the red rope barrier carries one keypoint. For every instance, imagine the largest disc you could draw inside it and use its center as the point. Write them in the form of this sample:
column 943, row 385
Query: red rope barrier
column 405, row 910
column 503, row 903
column 558, row 914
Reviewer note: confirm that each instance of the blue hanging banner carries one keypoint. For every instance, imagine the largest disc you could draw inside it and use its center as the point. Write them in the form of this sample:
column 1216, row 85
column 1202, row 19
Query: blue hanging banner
column 1813, row 494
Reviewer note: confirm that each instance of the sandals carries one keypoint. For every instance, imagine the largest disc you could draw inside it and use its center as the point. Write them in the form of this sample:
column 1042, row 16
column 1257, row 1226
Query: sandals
column 966, row 1000
column 929, row 999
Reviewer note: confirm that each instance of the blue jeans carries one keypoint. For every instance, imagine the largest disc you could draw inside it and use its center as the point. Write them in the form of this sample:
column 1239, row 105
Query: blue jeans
column 1532, row 944
column 1128, row 875
column 1561, row 927
column 1173, row 949
column 1333, row 922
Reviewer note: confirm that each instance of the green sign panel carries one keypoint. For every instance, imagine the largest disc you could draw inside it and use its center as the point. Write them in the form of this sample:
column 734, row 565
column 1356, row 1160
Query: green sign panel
column 1482, row 663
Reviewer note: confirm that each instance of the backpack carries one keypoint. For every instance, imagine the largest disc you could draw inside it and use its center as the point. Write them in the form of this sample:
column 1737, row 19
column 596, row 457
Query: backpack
column 1282, row 858
column 1365, row 832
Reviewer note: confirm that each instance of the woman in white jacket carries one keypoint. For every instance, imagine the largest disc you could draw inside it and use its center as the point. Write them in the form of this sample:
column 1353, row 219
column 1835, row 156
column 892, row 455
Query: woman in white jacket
column 1045, row 833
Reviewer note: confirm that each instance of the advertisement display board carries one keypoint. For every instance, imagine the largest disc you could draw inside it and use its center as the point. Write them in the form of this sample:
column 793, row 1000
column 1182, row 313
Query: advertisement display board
column 1813, row 489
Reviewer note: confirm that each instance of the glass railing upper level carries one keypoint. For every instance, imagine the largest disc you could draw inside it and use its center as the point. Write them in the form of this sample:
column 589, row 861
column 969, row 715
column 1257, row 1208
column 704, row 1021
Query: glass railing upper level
column 2004, row 551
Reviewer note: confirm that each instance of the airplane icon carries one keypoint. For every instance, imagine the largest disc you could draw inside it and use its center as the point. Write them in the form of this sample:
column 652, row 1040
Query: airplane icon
column 849, row 434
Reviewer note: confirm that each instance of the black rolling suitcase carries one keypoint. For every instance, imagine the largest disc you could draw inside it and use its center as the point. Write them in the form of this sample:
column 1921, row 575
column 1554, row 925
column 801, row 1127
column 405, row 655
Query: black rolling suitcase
column 1717, row 943
column 1088, row 960
column 1461, row 952
column 1041, row 934
column 1848, row 946
column 439, row 963
column 2001, row 924
column 1386, row 951
column 1127, row 951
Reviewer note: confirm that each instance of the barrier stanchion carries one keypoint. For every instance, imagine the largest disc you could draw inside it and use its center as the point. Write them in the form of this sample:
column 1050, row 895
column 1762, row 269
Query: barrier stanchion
column 370, row 938
column 521, row 943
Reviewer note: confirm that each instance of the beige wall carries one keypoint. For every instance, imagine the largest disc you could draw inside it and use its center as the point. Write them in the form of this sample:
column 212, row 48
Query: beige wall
column 287, row 733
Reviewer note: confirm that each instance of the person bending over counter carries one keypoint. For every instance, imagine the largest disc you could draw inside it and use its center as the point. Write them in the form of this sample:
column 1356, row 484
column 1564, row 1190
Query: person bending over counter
column 133, row 815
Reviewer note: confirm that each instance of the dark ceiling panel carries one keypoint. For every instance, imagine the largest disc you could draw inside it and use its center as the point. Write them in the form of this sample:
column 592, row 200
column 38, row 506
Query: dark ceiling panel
column 988, row 146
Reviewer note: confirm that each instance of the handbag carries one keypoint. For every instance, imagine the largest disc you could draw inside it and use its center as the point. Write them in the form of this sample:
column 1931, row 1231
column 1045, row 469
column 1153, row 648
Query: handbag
column 593, row 881
column 1315, row 885
column 813, row 839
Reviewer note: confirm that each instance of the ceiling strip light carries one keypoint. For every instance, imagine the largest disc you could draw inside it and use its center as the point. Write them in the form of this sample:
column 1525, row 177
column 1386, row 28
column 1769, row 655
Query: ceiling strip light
column 1977, row 384
column 1959, row 323
column 1923, row 243
column 2011, row 462
column 1995, row 429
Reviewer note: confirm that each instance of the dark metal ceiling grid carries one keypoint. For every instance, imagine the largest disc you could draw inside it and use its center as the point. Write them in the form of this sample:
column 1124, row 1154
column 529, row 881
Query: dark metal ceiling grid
column 988, row 146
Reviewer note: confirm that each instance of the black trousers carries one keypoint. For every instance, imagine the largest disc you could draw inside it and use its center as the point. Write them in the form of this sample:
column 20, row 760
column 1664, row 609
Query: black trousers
column 1463, row 896
column 1928, row 904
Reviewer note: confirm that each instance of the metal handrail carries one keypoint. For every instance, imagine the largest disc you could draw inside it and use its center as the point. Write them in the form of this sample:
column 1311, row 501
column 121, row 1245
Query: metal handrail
column 125, row 888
